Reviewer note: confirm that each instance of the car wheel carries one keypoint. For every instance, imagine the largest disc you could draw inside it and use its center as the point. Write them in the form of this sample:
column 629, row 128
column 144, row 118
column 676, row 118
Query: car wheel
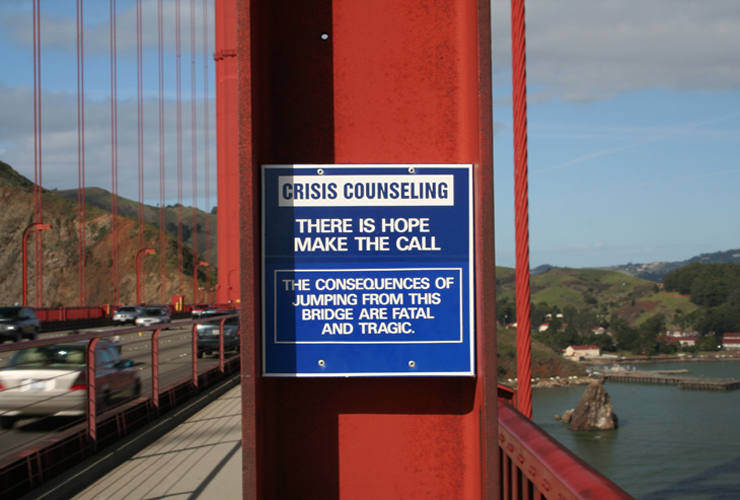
column 137, row 389
column 200, row 354
column 7, row 423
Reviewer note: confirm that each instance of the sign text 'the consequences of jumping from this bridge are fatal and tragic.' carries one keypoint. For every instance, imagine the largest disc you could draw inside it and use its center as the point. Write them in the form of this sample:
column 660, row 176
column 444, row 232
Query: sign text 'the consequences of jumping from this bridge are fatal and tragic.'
column 367, row 270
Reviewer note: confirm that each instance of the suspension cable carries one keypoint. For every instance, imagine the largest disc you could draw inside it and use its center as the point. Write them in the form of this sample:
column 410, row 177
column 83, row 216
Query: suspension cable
column 206, row 141
column 162, row 213
column 523, row 301
column 194, row 151
column 180, row 261
column 81, row 151
column 114, row 149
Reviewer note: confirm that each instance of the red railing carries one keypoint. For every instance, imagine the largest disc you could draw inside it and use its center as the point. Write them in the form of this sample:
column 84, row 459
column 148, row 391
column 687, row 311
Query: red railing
column 47, row 314
column 163, row 349
column 535, row 466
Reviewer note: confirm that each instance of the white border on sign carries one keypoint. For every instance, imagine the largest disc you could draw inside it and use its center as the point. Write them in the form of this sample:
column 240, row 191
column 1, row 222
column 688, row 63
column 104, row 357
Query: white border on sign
column 471, row 281
column 371, row 342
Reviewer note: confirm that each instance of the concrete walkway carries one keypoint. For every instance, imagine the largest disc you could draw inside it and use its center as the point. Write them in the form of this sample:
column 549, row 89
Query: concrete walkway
column 200, row 458
column 194, row 453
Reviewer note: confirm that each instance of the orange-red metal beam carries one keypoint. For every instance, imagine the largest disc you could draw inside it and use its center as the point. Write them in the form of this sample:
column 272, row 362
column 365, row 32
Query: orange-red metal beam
column 227, row 138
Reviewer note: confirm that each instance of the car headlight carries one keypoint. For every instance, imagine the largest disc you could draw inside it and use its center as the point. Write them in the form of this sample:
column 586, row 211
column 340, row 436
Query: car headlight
column 11, row 327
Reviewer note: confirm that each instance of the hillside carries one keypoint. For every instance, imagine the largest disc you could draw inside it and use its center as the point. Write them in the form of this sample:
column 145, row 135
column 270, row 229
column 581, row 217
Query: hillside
column 61, row 255
column 103, row 199
column 601, row 292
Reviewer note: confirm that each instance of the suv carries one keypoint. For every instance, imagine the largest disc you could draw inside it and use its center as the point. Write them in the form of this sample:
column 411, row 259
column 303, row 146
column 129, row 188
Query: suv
column 17, row 323
column 126, row 314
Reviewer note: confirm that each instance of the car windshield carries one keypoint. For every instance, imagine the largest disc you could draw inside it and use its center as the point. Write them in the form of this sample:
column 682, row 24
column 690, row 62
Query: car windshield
column 127, row 309
column 153, row 311
column 9, row 312
column 50, row 357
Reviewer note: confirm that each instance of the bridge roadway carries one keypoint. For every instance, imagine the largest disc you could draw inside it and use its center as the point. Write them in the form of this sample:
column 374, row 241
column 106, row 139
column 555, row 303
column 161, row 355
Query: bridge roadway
column 194, row 453
column 175, row 349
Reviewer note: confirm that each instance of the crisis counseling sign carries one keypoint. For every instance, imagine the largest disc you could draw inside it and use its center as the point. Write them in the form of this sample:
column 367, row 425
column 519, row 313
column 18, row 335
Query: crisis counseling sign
column 367, row 270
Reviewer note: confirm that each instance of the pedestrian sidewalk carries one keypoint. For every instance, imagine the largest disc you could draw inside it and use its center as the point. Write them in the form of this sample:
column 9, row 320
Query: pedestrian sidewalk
column 199, row 457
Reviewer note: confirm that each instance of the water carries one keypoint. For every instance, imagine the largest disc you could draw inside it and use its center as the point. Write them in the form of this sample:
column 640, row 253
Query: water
column 671, row 443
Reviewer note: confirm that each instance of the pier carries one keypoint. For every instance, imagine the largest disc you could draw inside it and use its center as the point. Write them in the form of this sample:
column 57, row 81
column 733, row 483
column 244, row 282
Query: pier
column 653, row 377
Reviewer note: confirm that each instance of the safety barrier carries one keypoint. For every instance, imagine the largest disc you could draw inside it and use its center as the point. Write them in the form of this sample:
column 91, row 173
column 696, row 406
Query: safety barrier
column 176, row 374
column 50, row 314
column 535, row 466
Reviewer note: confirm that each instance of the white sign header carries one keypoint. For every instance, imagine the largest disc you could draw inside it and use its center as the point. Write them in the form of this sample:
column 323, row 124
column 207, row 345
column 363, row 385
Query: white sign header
column 366, row 191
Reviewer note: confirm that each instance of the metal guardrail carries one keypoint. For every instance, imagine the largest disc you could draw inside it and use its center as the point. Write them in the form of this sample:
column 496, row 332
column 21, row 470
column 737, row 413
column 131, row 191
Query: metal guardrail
column 27, row 468
column 535, row 466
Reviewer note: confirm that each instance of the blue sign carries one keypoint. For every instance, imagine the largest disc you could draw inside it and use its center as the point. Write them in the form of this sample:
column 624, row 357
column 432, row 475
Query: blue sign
column 367, row 270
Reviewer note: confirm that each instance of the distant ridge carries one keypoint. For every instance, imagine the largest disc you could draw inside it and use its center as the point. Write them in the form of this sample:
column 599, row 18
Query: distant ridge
column 656, row 270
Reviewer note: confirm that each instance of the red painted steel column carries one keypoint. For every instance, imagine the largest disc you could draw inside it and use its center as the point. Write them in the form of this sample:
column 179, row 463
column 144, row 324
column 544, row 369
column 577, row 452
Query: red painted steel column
column 227, row 137
column 345, row 81
column 521, row 197
column 194, row 342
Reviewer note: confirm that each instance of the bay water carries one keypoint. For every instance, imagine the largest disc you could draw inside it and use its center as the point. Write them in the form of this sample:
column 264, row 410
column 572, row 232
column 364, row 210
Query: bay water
column 671, row 443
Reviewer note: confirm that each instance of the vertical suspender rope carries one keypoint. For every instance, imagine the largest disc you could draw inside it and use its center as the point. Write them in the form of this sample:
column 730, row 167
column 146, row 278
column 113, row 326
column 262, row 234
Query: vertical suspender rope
column 180, row 263
column 81, row 151
column 162, row 213
column 37, row 142
column 140, row 142
column 523, row 304
column 206, row 139
column 114, row 149
column 194, row 151
column 140, row 125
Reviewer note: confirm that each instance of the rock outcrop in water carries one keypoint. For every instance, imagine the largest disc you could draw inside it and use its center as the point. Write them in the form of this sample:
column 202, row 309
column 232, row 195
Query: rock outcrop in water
column 593, row 412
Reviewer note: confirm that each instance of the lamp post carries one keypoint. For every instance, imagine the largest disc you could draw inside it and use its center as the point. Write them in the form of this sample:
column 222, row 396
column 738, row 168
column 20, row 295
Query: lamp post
column 139, row 254
column 34, row 226
column 202, row 263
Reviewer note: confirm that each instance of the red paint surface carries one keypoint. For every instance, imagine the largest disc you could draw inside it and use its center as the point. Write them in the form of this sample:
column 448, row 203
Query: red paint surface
column 227, row 137
column 394, row 81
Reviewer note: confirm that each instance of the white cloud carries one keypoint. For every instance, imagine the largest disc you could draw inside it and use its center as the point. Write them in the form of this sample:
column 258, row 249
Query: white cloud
column 59, row 142
column 582, row 50
column 60, row 30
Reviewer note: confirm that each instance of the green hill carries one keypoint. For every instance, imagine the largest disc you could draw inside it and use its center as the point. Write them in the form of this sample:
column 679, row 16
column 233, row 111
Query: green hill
column 103, row 199
column 597, row 291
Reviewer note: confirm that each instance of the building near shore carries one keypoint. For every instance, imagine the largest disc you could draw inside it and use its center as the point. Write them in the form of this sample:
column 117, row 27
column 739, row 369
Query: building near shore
column 582, row 351
column 731, row 341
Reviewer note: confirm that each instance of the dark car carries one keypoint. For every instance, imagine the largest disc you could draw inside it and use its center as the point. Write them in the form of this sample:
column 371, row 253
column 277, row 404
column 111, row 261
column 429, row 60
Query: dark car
column 17, row 323
column 208, row 335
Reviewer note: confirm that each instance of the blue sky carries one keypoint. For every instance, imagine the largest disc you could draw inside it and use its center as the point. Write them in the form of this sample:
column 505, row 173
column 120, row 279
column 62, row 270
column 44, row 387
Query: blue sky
column 634, row 119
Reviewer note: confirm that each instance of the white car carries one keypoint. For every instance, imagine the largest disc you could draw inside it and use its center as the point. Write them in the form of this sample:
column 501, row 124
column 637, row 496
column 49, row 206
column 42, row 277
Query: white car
column 52, row 380
column 126, row 314
column 153, row 316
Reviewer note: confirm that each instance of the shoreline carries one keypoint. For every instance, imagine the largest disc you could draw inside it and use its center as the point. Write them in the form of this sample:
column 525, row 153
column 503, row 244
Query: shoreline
column 662, row 359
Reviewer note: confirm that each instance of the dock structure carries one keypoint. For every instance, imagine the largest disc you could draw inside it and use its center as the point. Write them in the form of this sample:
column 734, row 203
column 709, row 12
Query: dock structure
column 651, row 377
